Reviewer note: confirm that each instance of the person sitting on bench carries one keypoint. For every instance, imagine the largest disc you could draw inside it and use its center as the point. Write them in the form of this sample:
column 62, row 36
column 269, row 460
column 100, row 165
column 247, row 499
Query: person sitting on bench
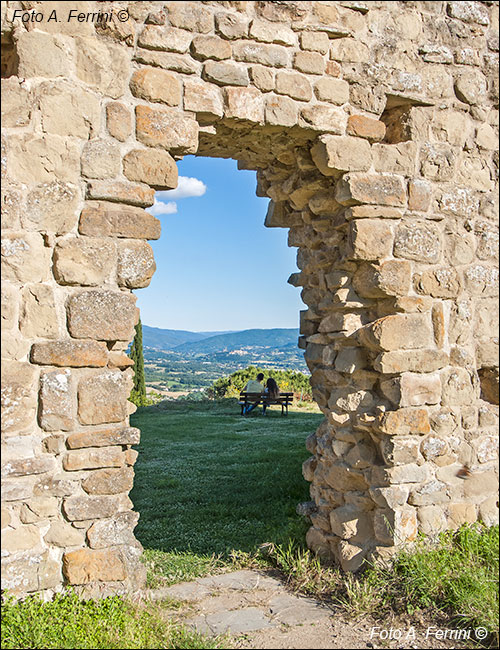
column 254, row 386
column 272, row 390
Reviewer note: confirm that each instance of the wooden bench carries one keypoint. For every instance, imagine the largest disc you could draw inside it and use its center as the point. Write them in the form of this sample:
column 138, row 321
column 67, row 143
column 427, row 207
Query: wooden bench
column 284, row 400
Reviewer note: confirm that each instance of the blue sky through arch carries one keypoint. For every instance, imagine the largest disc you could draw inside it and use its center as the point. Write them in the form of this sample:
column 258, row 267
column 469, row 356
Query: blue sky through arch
column 214, row 244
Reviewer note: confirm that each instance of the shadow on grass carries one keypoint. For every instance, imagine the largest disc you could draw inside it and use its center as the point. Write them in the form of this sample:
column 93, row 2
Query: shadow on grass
column 210, row 481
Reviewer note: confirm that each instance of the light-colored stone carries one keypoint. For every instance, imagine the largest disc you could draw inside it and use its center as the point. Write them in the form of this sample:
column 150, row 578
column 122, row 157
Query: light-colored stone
column 63, row 535
column 84, row 566
column 202, row 98
column 370, row 239
column 136, row 263
column 83, row 508
column 323, row 117
column 166, row 128
column 155, row 85
column 154, row 167
column 101, row 397
column 371, row 188
column 334, row 155
column 329, row 89
column 86, row 261
column 410, row 360
column 169, row 39
column 100, row 159
column 411, row 389
column 230, row 73
column 294, row 85
column 37, row 313
column 118, row 121
column 104, row 438
column 108, row 220
column 24, row 257
column 244, row 104
column 57, row 401
column 120, row 192
column 399, row 332
column 109, row 481
column 68, row 109
column 102, row 315
column 104, row 66
column 79, row 459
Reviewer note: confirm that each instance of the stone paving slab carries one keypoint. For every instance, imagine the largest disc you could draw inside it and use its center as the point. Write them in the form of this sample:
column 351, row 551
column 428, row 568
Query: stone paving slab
column 244, row 579
column 295, row 610
column 236, row 621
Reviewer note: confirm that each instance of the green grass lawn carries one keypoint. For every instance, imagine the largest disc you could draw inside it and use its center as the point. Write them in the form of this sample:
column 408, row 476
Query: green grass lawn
column 209, row 481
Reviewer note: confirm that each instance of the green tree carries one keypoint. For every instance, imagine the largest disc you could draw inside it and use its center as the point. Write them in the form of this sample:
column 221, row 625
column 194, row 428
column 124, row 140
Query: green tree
column 138, row 394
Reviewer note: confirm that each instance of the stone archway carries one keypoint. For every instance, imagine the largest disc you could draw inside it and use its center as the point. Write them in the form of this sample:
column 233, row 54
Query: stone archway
column 377, row 150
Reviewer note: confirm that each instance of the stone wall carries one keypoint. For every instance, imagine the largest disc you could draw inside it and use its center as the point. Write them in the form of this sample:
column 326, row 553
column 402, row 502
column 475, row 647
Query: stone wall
column 373, row 129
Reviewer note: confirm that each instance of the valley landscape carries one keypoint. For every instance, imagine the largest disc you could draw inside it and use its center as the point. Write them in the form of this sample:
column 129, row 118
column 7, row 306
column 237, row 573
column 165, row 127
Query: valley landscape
column 178, row 361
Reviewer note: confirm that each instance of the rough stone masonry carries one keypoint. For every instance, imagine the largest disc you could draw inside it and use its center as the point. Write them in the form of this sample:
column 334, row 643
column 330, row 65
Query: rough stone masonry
column 373, row 128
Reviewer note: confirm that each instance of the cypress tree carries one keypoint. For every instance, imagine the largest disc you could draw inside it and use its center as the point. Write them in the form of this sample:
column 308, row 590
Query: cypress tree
column 137, row 357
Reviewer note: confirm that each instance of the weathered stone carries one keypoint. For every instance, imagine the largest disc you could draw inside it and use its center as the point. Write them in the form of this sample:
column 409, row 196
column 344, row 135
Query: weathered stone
column 109, row 481
column 395, row 526
column 315, row 41
column 167, row 128
column 84, row 566
column 390, row 497
column 39, row 159
column 39, row 508
column 431, row 520
column 350, row 359
column 24, row 257
column 156, row 168
column 271, row 55
column 370, row 188
column 244, row 104
column 471, row 86
column 457, row 387
column 190, row 16
column 80, row 508
column 418, row 241
column 93, row 458
column 37, row 314
column 399, row 332
column 231, row 26
column 334, row 155
column 347, row 522
column 309, row 62
column 155, row 85
column 104, row 438
column 440, row 283
column 102, row 315
column 63, row 535
column 469, row 12
column 102, row 65
column 366, row 127
column 167, row 61
column 262, row 78
column 227, row 73
column 410, row 360
column 86, row 261
column 481, row 279
column 323, row 117
column 419, row 195
column 390, row 278
column 412, row 389
column 54, row 444
column 136, row 263
column 56, row 411
column 43, row 55
column 120, row 192
column 24, row 538
column 370, row 239
column 118, row 121
column 105, row 220
column 400, row 450
column 280, row 111
column 51, row 207
column 17, row 103
column 102, row 397
column 169, row 39
column 202, row 98
column 332, row 90
column 210, row 47
column 294, row 85
column 67, row 109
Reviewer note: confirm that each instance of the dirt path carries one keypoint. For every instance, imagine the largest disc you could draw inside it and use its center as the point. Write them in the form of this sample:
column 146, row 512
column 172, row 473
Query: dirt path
column 258, row 611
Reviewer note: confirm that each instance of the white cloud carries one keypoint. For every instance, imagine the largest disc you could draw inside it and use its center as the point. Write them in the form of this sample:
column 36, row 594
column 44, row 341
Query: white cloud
column 158, row 208
column 187, row 187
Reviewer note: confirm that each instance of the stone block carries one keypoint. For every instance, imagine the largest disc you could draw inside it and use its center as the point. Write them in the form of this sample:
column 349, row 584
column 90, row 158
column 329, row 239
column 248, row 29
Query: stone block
column 17, row 540
column 468, row 12
column 166, row 128
column 371, row 188
column 54, row 444
column 38, row 314
column 168, row 61
column 17, row 103
column 84, row 508
column 443, row 282
column 190, row 16
column 24, row 257
column 329, row 89
column 51, row 207
column 395, row 526
column 84, row 566
column 121, row 192
column 102, row 315
column 438, row 161
column 18, row 395
column 411, row 389
column 169, row 39
column 262, row 78
column 63, row 535
column 25, row 467
column 431, row 520
column 156, row 85
column 154, row 167
column 366, row 127
column 418, row 241
column 488, row 511
column 399, row 332
column 136, row 263
column 113, row 532
column 471, row 87
column 275, row 56
column 86, row 261
column 315, row 41
column 481, row 280
column 9, row 307
column 107, row 220
column 410, row 361
column 294, row 85
column 458, row 387
column 102, row 397
column 102, row 65
column 202, row 98
column 109, row 481
column 397, row 158
column 323, row 117
column 419, row 195
column 390, row 497
column 309, row 62
column 390, row 278
column 231, row 26
column 280, row 111
column 361, row 456
column 269, row 32
column 39, row 508
column 244, row 104
column 100, row 159
column 210, row 47
column 11, row 208
column 350, row 359
column 334, row 155
column 346, row 522
column 370, row 239
column 56, row 409
column 67, row 109
column 104, row 438
column 79, row 459
column 43, row 55
column 400, row 450
column 39, row 159
column 225, row 73
column 118, row 121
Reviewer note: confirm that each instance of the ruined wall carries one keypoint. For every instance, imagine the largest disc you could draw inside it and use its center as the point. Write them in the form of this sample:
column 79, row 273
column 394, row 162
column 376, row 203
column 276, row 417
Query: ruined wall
column 373, row 129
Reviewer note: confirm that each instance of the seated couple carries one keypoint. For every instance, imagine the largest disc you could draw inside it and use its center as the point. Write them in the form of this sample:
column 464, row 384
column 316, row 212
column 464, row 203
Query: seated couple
column 255, row 386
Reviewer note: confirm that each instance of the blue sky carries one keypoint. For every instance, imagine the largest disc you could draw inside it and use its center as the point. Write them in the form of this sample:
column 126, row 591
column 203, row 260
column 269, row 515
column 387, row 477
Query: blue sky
column 213, row 252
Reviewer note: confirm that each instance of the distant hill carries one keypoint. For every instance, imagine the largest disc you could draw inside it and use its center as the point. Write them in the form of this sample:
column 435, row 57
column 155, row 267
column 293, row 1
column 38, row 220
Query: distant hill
column 160, row 339
column 272, row 339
